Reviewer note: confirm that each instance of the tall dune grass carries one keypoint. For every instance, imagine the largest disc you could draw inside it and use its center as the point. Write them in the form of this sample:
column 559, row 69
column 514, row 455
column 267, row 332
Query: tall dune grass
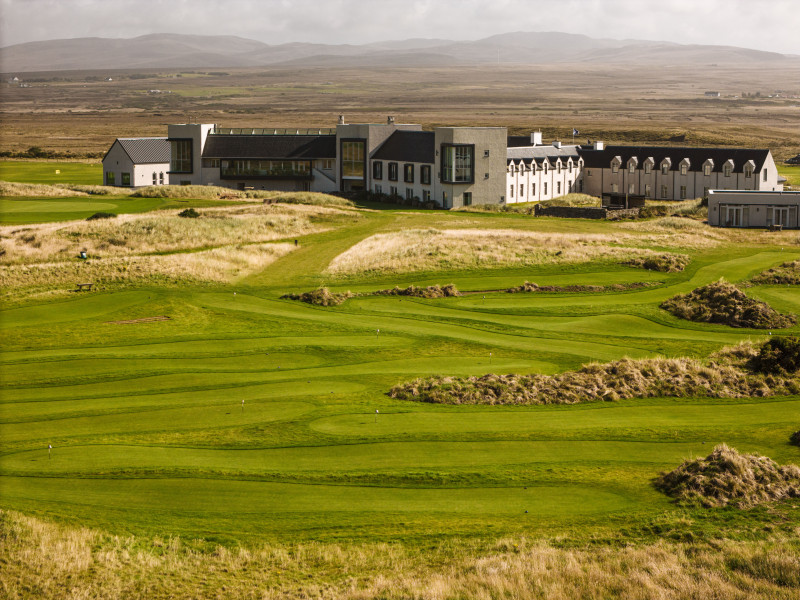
column 43, row 560
column 432, row 249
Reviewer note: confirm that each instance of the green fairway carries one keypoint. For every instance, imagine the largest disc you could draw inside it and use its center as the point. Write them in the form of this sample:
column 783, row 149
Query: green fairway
column 50, row 172
column 244, row 416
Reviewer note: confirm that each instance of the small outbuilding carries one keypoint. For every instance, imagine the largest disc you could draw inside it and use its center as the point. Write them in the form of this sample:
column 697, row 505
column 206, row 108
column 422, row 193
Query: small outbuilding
column 137, row 162
column 753, row 208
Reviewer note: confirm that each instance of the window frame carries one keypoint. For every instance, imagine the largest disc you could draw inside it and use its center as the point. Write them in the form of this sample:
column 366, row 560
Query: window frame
column 342, row 160
column 377, row 169
column 425, row 174
column 111, row 178
column 445, row 177
column 408, row 173
column 173, row 160
column 125, row 179
column 392, row 171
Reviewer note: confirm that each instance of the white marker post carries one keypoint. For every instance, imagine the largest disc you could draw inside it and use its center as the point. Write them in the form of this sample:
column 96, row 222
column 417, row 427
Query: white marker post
column 242, row 404
column 376, row 415
column 490, row 358
column 49, row 449
column 377, row 332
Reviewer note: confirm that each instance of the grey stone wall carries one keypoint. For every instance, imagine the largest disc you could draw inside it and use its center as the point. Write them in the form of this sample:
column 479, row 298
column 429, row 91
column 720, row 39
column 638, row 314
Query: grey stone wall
column 578, row 212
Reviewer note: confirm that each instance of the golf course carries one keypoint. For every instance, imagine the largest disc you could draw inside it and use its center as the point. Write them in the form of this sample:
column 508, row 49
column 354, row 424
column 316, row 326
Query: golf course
column 200, row 405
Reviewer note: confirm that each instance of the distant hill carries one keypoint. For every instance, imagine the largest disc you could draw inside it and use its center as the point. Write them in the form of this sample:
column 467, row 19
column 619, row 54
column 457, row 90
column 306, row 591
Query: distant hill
column 194, row 51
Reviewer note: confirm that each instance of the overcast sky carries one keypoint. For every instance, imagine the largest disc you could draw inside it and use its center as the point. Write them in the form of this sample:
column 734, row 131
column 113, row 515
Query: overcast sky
column 762, row 24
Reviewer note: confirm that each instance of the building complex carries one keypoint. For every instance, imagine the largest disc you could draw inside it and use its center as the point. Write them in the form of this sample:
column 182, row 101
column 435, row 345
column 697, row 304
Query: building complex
column 449, row 166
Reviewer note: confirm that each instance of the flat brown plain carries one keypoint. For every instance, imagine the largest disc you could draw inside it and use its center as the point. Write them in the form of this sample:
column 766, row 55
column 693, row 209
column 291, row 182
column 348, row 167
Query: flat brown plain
column 83, row 113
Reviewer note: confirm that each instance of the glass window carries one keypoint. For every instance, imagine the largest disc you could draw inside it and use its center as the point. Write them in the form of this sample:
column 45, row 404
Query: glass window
column 663, row 191
column 181, row 156
column 558, row 187
column 353, row 159
column 161, row 178
column 521, row 190
column 426, row 195
column 545, row 189
column 328, row 164
column 648, row 190
column 665, row 169
column 155, row 178
column 425, row 174
column 631, row 188
column 458, row 164
column 648, row 168
column 706, row 170
column 468, row 198
column 614, row 188
column 377, row 169
column 632, row 168
column 533, row 189
column 392, row 171
column 614, row 168
column 265, row 168
column 683, row 192
column 408, row 173
column 511, row 192
column 409, row 193
column 726, row 170
column 748, row 172
column 765, row 174
column 684, row 169
column 126, row 179
column 378, row 189
column 110, row 178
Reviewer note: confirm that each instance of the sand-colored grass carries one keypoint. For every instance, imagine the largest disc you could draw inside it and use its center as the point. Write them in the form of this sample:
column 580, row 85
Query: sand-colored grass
column 8, row 188
column 435, row 249
column 222, row 245
column 44, row 560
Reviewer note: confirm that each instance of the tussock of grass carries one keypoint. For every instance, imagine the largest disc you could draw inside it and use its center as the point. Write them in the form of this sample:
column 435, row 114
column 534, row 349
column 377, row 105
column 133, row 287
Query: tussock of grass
column 727, row 476
column 527, row 208
column 433, row 249
column 186, row 191
column 432, row 291
column 530, row 286
column 786, row 274
column 45, row 560
column 726, row 376
column 724, row 303
column 579, row 200
column 663, row 263
column 310, row 198
column 320, row 297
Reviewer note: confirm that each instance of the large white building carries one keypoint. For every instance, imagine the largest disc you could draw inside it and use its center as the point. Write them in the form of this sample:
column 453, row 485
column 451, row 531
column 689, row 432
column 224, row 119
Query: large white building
column 449, row 166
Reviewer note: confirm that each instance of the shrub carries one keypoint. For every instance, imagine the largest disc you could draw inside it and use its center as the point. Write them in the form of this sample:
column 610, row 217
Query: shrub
column 663, row 263
column 101, row 215
column 795, row 438
column 189, row 213
column 320, row 297
column 786, row 274
column 728, row 477
column 724, row 303
column 778, row 355
column 432, row 291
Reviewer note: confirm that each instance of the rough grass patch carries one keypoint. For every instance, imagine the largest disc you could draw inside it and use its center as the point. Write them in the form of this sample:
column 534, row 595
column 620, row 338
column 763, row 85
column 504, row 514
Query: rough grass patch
column 724, row 303
column 320, row 297
column 727, row 476
column 663, row 263
column 786, row 274
column 431, row 291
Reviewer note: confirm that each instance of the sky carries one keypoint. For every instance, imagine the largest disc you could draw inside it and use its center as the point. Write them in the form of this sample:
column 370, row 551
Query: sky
column 762, row 24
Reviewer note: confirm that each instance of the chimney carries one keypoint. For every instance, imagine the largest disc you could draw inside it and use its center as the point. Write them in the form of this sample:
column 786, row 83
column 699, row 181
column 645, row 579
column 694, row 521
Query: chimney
column 341, row 119
column 536, row 138
column 556, row 144
column 599, row 145
column 390, row 120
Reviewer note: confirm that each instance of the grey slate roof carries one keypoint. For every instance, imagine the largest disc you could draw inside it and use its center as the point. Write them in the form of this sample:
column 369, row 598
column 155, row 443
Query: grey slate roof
column 408, row 146
column 697, row 156
column 529, row 153
column 144, row 151
column 281, row 147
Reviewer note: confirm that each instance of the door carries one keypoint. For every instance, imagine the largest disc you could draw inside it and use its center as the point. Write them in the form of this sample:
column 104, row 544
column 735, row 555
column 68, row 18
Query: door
column 781, row 216
column 734, row 216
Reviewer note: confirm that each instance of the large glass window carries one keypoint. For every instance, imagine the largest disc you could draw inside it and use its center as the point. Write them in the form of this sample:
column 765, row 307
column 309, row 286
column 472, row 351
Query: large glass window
column 458, row 164
column 181, row 157
column 265, row 168
column 353, row 159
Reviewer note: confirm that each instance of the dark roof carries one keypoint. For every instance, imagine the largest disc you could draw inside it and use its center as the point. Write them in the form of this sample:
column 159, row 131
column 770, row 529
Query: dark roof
column 697, row 156
column 515, row 141
column 408, row 146
column 144, row 151
column 296, row 147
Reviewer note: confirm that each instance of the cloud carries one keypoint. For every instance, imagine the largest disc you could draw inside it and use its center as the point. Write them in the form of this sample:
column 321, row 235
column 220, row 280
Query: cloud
column 765, row 25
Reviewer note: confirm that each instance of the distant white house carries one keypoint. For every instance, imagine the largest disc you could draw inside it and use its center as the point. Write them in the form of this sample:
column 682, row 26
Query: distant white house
column 137, row 162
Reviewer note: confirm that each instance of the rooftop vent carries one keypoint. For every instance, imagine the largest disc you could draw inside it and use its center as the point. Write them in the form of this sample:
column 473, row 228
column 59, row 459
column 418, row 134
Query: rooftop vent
column 341, row 119
column 556, row 144
column 536, row 138
column 390, row 120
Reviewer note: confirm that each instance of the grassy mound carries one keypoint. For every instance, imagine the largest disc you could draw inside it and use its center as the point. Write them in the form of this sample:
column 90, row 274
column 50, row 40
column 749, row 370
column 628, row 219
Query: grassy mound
column 530, row 286
column 432, row 291
column 786, row 274
column 794, row 439
column 727, row 477
column 320, row 297
column 726, row 376
column 311, row 198
column 724, row 303
column 663, row 263
column 778, row 355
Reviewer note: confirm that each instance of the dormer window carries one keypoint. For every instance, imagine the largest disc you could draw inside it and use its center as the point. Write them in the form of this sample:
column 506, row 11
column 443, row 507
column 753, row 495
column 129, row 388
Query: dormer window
column 665, row 168
column 684, row 169
column 632, row 168
column 749, row 169
column 648, row 166
column 569, row 167
column 558, row 167
column 545, row 168
column 707, row 170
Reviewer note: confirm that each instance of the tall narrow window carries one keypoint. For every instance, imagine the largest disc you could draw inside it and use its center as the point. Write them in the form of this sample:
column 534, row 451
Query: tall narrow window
column 458, row 164
column 408, row 173
column 648, row 190
column 521, row 190
column 545, row 188
column 110, row 178
column 161, row 178
column 533, row 189
column 425, row 175
column 181, row 156
column 511, row 192
column 707, row 170
column 683, row 192
column 126, row 179
column 665, row 169
column 631, row 188
column 155, row 178
column 726, row 170
column 648, row 168
column 392, row 171
column 664, row 191
column 632, row 168
column 765, row 174
column 684, row 169
column 558, row 187
column 468, row 198
column 377, row 169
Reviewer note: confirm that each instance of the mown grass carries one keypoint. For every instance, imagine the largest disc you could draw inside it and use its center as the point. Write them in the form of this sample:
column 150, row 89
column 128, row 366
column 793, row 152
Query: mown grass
column 246, row 425
column 51, row 172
